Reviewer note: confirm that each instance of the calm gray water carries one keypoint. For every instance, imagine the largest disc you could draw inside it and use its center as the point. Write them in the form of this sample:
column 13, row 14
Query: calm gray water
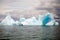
column 28, row 32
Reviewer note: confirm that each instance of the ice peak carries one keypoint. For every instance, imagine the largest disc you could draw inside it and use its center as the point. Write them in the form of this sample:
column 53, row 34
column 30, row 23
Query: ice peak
column 8, row 20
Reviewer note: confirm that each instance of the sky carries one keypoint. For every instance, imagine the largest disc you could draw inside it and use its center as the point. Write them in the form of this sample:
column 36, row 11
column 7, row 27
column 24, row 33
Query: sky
column 11, row 5
column 22, row 4
column 18, row 4
column 26, row 7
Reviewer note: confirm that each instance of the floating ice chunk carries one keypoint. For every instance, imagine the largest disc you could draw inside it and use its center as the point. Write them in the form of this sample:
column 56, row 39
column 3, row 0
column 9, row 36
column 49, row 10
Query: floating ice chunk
column 30, row 21
column 48, row 19
column 8, row 21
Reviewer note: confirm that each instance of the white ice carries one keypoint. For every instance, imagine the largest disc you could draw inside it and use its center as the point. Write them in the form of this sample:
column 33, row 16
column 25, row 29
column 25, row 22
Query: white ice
column 30, row 21
column 22, row 19
column 47, row 19
column 8, row 20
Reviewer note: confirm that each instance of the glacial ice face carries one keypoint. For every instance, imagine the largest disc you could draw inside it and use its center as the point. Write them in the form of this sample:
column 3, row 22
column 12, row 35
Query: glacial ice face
column 8, row 21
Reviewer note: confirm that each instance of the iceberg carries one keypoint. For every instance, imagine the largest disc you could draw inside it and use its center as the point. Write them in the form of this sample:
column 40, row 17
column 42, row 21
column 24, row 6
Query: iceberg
column 8, row 20
column 30, row 21
column 49, row 19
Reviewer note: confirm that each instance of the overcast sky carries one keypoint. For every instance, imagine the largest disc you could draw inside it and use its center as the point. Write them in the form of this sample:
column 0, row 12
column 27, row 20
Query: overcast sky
column 18, row 4
column 9, row 5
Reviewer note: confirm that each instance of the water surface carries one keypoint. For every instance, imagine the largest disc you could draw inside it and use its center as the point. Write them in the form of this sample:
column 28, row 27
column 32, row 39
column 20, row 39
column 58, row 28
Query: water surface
column 29, row 32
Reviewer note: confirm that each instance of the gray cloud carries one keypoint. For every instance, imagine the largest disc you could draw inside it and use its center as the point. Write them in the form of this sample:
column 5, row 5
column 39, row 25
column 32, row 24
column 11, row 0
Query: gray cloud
column 18, row 4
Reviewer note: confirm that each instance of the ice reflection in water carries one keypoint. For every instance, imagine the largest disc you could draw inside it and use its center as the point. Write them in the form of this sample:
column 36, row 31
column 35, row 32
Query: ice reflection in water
column 28, row 32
